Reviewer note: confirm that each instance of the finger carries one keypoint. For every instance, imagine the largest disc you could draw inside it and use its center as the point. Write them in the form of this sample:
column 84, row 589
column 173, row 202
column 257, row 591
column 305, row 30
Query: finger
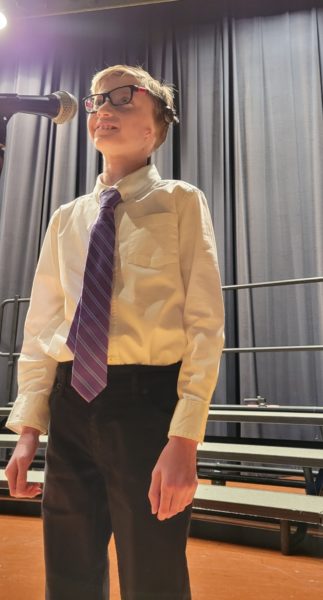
column 25, row 489
column 189, row 496
column 181, row 499
column 11, row 475
column 165, row 502
column 154, row 492
column 34, row 490
column 30, row 491
column 178, row 503
column 21, row 484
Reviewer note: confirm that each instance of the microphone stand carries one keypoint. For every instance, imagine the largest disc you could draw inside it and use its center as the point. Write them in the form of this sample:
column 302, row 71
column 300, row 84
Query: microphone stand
column 3, row 133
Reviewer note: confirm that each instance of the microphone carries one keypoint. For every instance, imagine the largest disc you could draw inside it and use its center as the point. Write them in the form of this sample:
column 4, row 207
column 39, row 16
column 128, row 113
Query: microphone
column 58, row 106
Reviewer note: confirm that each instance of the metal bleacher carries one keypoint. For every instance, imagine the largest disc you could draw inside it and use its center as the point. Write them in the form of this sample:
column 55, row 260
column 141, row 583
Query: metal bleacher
column 220, row 460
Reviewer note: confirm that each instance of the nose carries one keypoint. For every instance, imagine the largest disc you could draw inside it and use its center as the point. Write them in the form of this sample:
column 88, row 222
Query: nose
column 105, row 108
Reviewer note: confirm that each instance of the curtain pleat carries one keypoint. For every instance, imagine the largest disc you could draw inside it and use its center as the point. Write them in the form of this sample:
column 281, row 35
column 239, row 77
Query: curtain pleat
column 249, row 96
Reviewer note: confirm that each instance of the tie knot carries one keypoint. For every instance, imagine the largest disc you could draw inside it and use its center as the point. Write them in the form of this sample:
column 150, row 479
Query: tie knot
column 109, row 198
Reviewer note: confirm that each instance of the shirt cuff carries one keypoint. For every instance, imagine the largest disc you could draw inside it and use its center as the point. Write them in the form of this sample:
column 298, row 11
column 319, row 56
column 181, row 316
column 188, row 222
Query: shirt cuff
column 31, row 411
column 190, row 419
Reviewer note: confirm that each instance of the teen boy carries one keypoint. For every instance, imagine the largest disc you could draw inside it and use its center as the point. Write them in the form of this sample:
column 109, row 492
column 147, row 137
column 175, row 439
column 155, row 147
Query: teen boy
column 123, row 461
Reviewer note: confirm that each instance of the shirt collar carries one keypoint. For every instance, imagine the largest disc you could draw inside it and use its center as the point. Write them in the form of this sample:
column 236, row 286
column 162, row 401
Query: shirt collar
column 131, row 186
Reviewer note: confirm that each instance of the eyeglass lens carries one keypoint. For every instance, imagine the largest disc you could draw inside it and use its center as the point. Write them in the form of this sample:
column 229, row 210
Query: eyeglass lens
column 117, row 97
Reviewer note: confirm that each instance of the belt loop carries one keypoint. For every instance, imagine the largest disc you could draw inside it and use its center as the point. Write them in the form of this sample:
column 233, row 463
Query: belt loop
column 62, row 373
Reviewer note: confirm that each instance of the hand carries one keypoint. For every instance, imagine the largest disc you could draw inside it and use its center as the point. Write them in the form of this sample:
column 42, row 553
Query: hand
column 22, row 457
column 174, row 478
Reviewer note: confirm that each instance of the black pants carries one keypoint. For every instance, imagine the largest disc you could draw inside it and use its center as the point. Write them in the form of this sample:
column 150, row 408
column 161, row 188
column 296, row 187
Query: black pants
column 99, row 461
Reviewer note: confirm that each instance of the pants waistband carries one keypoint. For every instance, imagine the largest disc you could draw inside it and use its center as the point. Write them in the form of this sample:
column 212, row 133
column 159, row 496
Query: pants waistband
column 64, row 370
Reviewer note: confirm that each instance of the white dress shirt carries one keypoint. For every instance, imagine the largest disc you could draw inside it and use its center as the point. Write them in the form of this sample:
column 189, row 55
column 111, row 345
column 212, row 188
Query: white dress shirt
column 166, row 304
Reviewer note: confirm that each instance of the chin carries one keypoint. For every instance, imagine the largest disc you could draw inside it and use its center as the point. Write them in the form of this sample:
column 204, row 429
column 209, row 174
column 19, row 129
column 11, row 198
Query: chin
column 102, row 144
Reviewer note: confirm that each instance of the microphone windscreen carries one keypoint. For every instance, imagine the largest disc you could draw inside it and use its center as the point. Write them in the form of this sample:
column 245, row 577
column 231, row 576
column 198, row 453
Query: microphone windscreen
column 68, row 107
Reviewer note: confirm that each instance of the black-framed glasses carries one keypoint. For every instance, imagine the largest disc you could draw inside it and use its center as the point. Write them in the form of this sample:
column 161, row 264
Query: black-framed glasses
column 117, row 97
column 123, row 95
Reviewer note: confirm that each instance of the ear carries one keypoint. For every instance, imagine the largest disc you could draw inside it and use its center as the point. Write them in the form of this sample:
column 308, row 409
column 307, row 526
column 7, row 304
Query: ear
column 150, row 137
column 147, row 132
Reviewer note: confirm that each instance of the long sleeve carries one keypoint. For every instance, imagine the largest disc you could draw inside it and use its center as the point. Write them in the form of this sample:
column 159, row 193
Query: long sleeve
column 203, row 318
column 36, row 368
column 166, row 300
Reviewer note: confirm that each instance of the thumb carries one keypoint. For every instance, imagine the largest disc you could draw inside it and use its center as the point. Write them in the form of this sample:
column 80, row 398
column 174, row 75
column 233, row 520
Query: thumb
column 154, row 491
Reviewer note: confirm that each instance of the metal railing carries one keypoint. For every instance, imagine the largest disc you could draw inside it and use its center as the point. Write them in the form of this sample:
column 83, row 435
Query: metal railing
column 267, row 284
column 16, row 301
column 12, row 354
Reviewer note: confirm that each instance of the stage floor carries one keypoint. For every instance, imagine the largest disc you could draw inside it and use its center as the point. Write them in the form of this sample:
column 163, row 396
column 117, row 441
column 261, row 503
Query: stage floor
column 219, row 571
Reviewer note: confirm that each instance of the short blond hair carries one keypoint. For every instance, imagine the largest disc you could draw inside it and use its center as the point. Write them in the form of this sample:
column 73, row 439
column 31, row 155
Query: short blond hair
column 162, row 94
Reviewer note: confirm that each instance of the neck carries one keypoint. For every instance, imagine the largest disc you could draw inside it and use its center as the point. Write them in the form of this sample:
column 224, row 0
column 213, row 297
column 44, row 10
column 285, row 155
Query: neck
column 113, row 171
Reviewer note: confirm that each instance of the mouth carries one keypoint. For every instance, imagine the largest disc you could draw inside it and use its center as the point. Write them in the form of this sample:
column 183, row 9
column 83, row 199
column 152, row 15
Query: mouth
column 102, row 126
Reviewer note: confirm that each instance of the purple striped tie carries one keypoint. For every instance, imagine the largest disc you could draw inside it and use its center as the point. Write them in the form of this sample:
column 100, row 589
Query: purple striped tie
column 88, row 336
